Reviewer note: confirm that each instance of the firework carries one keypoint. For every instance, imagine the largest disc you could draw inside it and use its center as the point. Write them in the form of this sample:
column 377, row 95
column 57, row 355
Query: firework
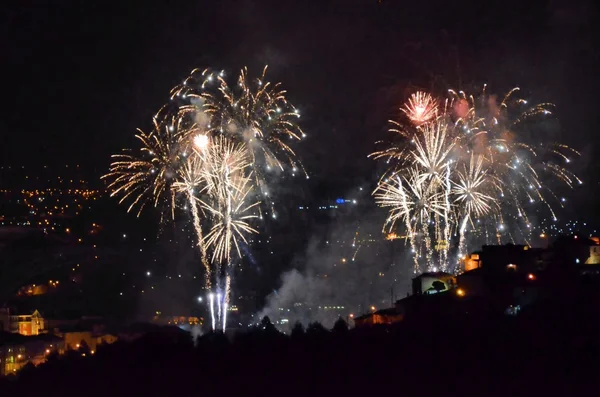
column 254, row 112
column 227, row 190
column 147, row 177
column 216, row 179
column 473, row 193
column 470, row 189
column 190, row 180
column 413, row 202
column 469, row 164
column 420, row 108
column 214, row 146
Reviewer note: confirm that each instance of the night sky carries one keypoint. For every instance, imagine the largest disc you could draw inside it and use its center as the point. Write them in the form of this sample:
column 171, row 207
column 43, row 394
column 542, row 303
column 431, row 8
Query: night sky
column 80, row 76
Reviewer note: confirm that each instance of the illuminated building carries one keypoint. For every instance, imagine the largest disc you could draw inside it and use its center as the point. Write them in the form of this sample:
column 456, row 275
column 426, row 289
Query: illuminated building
column 594, row 258
column 471, row 261
column 432, row 283
column 499, row 256
column 74, row 340
column 16, row 351
column 24, row 324
column 380, row 317
column 183, row 322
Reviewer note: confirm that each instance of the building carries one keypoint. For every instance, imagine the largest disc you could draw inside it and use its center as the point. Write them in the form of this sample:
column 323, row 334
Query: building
column 380, row 317
column 28, row 324
column 16, row 350
column 432, row 283
column 76, row 339
column 472, row 261
column 594, row 258
column 24, row 324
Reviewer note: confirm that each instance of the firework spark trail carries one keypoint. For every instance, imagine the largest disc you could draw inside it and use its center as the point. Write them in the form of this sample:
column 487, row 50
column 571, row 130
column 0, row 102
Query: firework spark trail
column 200, row 238
column 224, row 315
column 219, row 307
column 465, row 164
column 447, row 214
column 356, row 252
column 191, row 179
column 226, row 300
column 461, row 237
column 427, row 240
column 211, row 297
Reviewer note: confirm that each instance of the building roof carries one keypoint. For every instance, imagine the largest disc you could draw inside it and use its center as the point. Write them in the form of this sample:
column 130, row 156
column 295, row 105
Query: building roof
column 383, row 312
column 386, row 312
column 433, row 274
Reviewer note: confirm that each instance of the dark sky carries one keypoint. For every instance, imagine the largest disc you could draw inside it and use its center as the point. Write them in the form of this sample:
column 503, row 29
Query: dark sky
column 80, row 76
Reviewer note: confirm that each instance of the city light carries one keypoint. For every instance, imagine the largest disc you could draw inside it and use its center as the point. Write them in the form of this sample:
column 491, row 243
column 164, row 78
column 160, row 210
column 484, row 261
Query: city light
column 460, row 292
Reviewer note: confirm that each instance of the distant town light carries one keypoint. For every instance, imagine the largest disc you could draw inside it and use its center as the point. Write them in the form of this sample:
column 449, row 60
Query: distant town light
column 460, row 292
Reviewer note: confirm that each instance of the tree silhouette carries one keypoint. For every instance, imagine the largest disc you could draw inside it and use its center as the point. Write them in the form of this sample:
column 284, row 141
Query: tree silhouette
column 340, row 326
column 83, row 348
column 438, row 286
column 267, row 325
column 316, row 329
column 298, row 330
